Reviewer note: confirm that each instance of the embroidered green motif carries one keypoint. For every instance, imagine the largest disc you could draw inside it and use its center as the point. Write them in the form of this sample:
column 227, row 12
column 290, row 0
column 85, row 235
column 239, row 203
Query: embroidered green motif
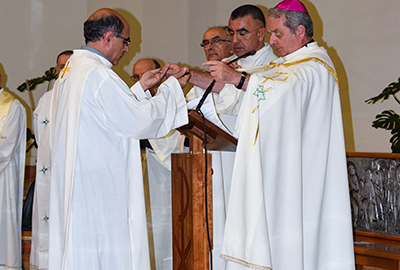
column 44, row 170
column 45, row 121
column 259, row 92
column 46, row 218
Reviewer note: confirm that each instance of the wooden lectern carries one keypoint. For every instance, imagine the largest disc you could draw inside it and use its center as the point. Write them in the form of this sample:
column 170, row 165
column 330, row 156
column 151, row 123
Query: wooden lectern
column 189, row 228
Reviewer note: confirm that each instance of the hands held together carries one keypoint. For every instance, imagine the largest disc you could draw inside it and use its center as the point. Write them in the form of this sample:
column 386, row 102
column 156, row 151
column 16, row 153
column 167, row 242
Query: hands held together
column 152, row 77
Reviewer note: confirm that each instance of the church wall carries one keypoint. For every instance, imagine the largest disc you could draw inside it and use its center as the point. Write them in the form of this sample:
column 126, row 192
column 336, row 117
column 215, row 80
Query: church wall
column 362, row 38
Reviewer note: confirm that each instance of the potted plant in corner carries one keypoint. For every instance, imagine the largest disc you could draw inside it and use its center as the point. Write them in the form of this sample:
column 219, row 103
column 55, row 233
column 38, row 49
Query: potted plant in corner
column 388, row 119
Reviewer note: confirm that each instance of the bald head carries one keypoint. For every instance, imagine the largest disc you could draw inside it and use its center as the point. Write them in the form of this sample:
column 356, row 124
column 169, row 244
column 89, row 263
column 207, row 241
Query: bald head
column 216, row 43
column 108, row 32
column 143, row 65
column 102, row 21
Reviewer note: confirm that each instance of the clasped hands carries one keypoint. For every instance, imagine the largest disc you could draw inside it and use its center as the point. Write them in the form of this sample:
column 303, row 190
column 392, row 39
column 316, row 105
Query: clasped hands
column 152, row 77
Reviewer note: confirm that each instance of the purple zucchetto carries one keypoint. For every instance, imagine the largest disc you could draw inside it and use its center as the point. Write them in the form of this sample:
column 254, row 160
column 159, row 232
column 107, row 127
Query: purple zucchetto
column 293, row 5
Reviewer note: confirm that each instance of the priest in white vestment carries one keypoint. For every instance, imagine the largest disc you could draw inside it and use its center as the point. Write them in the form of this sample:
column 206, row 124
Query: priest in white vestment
column 244, row 37
column 12, row 167
column 97, row 212
column 40, row 211
column 243, row 21
column 289, row 205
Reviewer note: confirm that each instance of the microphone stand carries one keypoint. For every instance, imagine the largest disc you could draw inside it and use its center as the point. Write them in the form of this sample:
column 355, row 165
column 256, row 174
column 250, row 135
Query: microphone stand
column 208, row 90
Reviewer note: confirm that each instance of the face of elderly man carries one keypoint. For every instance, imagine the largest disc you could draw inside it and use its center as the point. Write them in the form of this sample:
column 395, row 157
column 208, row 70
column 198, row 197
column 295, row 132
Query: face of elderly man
column 282, row 39
column 246, row 34
column 216, row 44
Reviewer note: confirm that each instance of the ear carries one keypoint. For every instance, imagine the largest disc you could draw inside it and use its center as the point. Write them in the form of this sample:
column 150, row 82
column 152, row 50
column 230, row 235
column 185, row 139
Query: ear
column 301, row 31
column 108, row 37
column 261, row 34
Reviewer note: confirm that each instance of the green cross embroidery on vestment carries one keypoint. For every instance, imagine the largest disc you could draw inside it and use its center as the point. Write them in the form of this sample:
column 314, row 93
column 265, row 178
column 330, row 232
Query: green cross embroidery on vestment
column 45, row 121
column 44, row 170
column 46, row 218
column 259, row 93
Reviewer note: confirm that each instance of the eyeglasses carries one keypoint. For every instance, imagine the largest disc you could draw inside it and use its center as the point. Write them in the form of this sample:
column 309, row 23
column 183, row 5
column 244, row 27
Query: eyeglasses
column 242, row 33
column 213, row 41
column 126, row 40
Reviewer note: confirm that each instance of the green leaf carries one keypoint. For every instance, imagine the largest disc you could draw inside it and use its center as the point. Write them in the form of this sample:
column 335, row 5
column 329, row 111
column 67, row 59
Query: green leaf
column 388, row 120
column 391, row 90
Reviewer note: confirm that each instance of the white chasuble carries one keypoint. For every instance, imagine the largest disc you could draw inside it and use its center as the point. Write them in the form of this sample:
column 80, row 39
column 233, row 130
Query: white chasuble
column 41, row 202
column 97, row 212
column 289, row 205
column 12, row 167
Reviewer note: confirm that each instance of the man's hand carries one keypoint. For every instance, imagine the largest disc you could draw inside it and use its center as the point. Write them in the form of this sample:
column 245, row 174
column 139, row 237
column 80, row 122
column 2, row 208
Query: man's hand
column 223, row 73
column 182, row 75
column 152, row 77
column 173, row 69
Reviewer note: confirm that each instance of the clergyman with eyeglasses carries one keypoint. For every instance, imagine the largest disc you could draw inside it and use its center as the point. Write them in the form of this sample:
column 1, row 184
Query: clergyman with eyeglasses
column 216, row 43
column 97, row 214
column 246, row 29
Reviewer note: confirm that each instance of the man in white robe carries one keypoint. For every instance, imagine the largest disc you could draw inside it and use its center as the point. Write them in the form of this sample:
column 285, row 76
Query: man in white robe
column 12, row 167
column 246, row 31
column 289, row 205
column 97, row 213
column 246, row 28
column 40, row 212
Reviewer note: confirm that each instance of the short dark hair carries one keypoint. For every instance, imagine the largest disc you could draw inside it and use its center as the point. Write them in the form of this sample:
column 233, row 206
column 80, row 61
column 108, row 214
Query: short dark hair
column 94, row 29
column 156, row 63
column 67, row 52
column 294, row 19
column 245, row 10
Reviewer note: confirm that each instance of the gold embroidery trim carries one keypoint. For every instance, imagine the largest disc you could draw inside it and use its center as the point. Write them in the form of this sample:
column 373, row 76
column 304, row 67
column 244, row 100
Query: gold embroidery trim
column 331, row 71
column 244, row 263
column 272, row 65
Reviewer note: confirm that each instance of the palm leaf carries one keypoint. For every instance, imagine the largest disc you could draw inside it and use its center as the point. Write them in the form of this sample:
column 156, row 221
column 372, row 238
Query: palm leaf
column 388, row 120
column 391, row 90
column 49, row 75
column 395, row 141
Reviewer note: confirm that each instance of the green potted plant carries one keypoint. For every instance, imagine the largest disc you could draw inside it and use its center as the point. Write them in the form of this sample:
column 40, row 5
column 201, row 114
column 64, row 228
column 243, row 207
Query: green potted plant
column 388, row 119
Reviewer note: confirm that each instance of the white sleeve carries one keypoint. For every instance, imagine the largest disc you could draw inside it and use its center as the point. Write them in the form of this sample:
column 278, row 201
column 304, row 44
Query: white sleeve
column 10, row 135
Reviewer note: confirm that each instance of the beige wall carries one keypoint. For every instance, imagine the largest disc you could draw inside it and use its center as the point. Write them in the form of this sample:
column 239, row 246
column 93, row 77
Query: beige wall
column 362, row 38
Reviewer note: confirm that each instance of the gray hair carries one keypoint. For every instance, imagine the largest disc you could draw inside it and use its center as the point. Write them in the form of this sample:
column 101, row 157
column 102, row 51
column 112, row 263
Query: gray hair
column 294, row 19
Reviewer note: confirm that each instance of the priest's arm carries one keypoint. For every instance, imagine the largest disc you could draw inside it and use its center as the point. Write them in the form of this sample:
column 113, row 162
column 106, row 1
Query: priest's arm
column 135, row 113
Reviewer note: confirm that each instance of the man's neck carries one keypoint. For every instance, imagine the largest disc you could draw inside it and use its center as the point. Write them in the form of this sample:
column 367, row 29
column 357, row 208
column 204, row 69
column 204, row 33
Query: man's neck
column 91, row 46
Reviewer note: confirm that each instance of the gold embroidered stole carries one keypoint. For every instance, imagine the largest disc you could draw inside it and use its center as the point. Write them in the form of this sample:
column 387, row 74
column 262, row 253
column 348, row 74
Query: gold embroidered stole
column 260, row 89
column 6, row 99
column 331, row 71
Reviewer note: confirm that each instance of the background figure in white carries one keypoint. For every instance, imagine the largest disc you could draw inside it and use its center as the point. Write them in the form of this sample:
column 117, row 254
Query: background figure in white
column 12, row 166
column 40, row 211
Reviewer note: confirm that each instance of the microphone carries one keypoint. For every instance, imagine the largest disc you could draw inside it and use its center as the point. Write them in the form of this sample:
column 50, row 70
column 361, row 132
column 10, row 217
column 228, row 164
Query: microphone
column 252, row 52
column 208, row 90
